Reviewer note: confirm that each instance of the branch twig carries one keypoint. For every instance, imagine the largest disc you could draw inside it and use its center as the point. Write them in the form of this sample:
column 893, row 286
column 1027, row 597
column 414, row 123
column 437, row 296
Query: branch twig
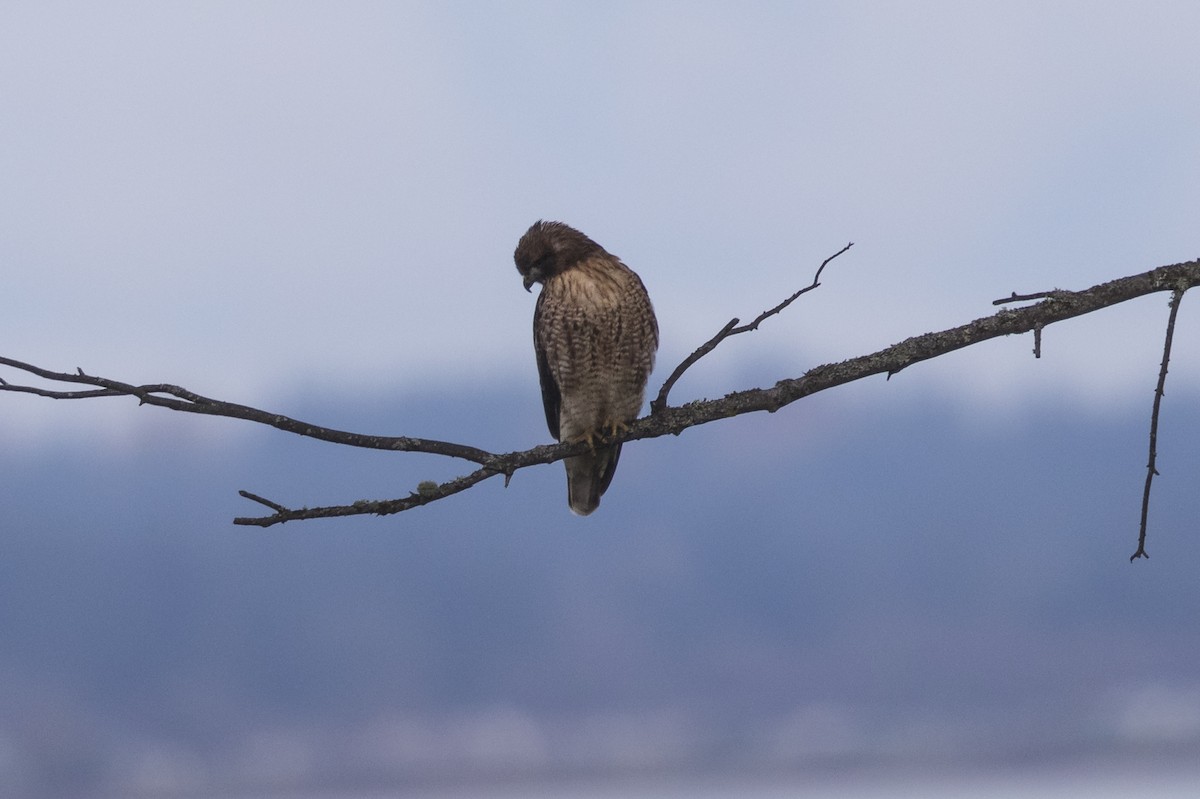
column 425, row 493
column 1151, row 469
column 731, row 329
column 1052, row 294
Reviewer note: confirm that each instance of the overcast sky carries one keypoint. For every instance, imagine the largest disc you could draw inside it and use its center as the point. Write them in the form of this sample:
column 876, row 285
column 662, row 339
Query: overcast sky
column 255, row 199
column 314, row 206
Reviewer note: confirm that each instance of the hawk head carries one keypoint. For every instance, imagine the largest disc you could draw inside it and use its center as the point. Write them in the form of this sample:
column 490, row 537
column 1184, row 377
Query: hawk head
column 550, row 248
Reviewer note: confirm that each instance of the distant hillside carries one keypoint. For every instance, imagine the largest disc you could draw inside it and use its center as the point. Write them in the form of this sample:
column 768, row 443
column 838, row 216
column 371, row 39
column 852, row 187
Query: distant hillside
column 823, row 588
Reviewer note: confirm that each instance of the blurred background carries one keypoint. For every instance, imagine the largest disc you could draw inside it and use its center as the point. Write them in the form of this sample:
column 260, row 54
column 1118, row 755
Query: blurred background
column 910, row 587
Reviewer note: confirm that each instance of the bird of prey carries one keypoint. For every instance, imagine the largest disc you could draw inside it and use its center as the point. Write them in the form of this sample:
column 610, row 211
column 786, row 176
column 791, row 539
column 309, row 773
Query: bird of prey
column 595, row 335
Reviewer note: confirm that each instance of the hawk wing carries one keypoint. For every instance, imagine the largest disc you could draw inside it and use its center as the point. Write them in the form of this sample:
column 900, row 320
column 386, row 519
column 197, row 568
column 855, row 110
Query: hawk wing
column 551, row 397
column 609, row 467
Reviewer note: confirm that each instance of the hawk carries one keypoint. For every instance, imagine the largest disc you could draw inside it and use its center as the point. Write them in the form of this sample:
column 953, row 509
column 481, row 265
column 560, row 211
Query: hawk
column 595, row 335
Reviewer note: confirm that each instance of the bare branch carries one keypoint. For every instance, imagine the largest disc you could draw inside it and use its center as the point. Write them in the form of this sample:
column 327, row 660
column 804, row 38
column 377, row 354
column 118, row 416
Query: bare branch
column 674, row 420
column 425, row 493
column 275, row 506
column 731, row 329
column 177, row 398
column 1151, row 469
column 1052, row 294
column 667, row 420
column 660, row 402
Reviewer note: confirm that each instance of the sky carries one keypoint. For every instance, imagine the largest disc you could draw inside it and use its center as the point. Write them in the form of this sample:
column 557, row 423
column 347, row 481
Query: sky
column 312, row 207
column 258, row 199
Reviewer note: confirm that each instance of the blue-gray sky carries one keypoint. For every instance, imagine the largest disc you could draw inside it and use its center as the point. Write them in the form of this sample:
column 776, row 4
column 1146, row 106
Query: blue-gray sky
column 254, row 198
column 312, row 207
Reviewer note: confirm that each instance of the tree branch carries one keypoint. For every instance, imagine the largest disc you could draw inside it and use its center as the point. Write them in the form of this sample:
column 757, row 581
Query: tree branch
column 177, row 398
column 731, row 329
column 1055, row 307
column 1151, row 469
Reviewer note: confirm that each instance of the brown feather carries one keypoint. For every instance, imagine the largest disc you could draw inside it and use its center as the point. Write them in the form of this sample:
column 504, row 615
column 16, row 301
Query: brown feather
column 595, row 337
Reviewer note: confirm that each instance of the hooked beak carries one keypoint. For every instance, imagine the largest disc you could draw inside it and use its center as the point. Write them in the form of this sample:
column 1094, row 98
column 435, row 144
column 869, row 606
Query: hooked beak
column 529, row 280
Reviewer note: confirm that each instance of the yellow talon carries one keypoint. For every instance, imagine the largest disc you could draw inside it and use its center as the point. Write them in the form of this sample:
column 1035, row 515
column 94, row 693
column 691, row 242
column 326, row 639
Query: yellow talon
column 589, row 437
column 616, row 427
column 607, row 430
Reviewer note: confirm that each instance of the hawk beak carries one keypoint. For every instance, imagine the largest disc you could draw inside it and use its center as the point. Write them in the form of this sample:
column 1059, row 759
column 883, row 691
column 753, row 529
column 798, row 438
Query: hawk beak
column 529, row 281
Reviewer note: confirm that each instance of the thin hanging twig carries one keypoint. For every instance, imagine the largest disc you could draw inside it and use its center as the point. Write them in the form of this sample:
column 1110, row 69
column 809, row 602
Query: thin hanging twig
column 1151, row 469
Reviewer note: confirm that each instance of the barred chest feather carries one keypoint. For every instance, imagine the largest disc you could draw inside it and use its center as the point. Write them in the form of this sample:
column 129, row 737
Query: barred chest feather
column 599, row 335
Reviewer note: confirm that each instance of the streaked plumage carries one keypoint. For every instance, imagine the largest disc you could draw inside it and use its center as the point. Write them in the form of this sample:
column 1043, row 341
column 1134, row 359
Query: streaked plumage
column 595, row 335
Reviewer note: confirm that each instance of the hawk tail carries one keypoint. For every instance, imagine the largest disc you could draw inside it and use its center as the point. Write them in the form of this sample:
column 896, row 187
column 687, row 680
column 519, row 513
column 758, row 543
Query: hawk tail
column 588, row 477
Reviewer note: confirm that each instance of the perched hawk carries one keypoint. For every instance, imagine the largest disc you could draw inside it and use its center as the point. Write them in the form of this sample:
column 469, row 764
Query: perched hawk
column 595, row 335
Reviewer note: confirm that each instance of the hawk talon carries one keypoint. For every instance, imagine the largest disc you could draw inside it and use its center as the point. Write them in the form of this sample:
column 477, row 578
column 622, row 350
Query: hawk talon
column 606, row 432
column 589, row 437
column 615, row 428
